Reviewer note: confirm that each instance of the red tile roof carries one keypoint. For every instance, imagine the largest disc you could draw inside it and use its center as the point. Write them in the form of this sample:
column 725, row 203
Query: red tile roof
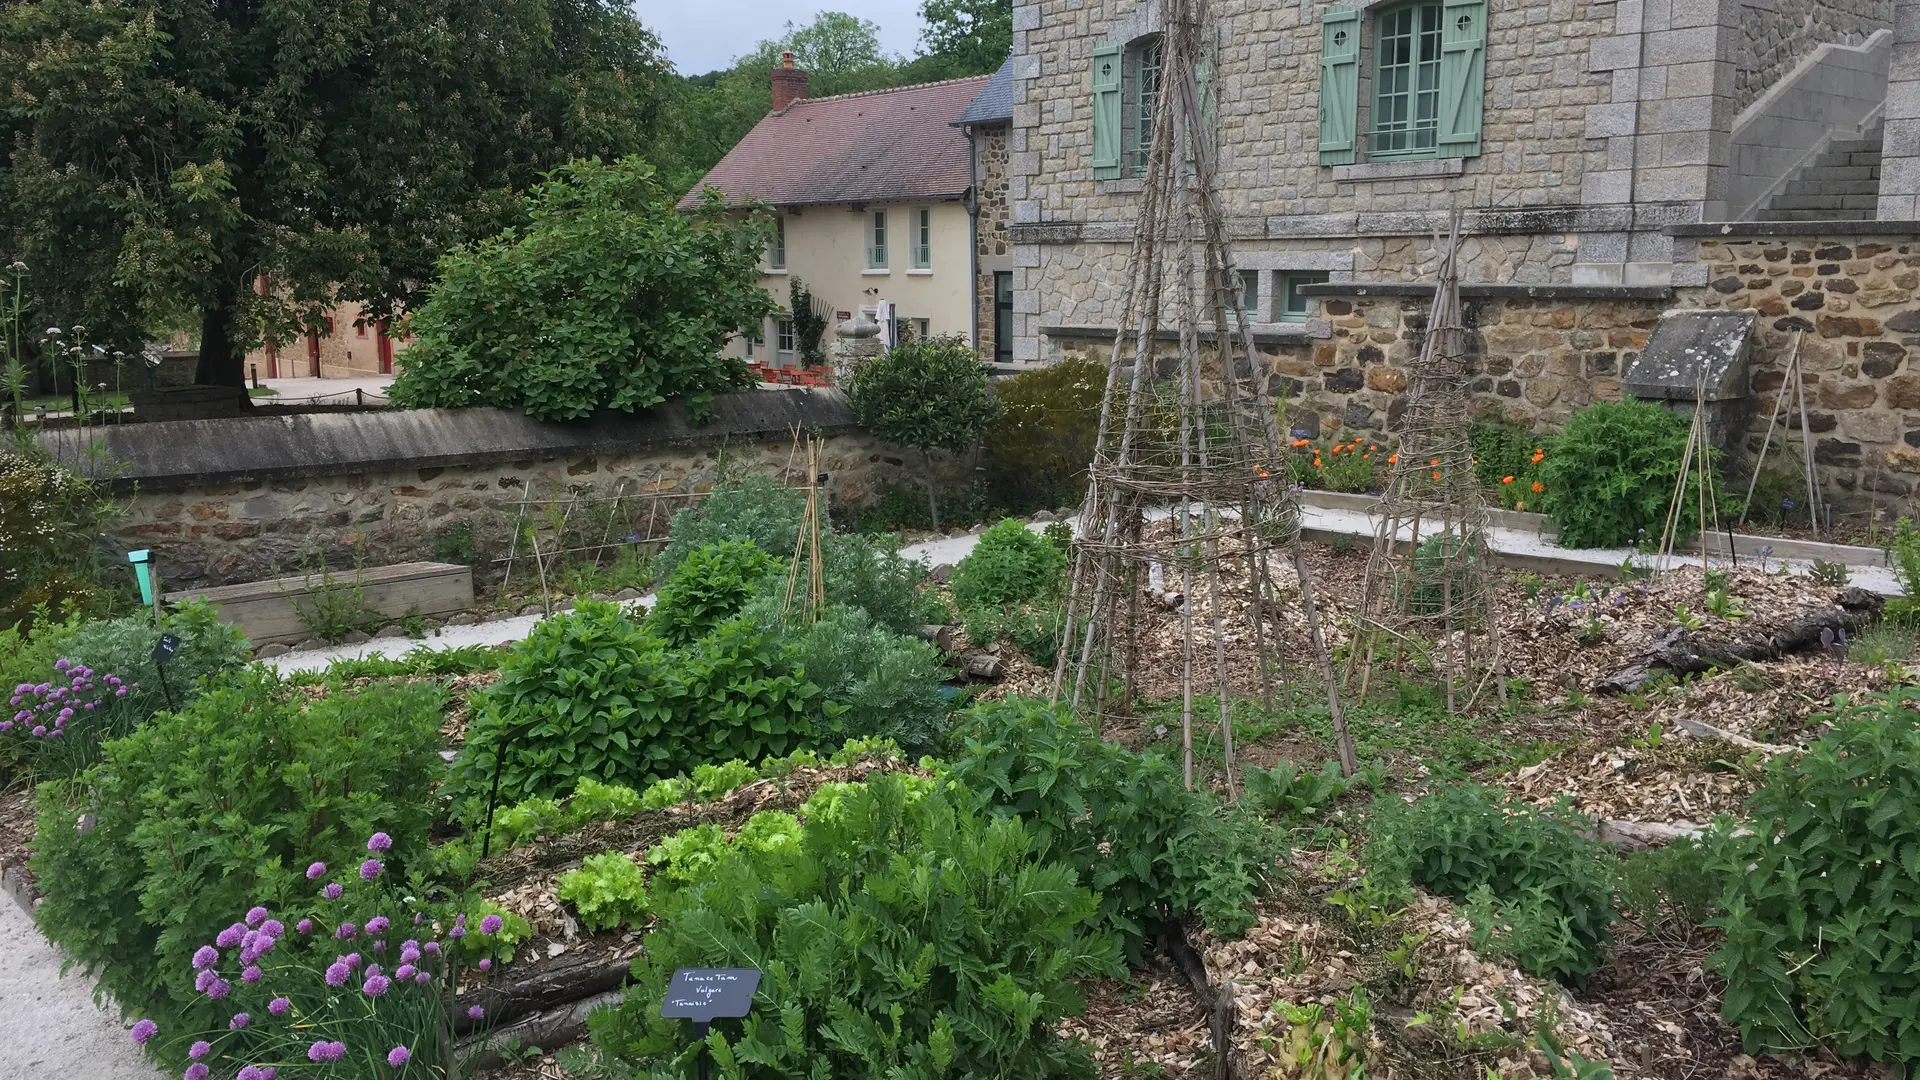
column 876, row 146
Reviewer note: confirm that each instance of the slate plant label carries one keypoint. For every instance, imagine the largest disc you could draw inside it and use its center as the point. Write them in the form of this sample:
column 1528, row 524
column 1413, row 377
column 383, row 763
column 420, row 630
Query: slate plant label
column 705, row 994
column 164, row 649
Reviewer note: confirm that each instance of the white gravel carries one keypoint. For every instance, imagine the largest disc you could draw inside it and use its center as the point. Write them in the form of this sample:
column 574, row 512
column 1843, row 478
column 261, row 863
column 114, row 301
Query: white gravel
column 52, row 1026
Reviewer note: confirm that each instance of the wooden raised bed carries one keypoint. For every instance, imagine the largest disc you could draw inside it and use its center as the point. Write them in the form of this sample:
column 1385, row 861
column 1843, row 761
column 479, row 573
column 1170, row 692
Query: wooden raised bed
column 265, row 610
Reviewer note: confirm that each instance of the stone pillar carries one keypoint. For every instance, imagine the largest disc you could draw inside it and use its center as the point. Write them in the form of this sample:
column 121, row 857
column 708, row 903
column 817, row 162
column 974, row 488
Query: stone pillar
column 854, row 342
column 1900, row 145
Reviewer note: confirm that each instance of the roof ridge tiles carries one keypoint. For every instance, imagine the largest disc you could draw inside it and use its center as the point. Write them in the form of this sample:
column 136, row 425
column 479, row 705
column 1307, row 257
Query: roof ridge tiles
column 885, row 90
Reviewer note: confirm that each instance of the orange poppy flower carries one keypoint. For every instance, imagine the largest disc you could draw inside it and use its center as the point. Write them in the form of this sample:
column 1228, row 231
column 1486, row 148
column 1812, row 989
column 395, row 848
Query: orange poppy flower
column 1538, row 487
column 1436, row 474
column 1435, row 461
column 1299, row 442
column 1393, row 459
column 1372, row 447
column 1366, row 457
column 1338, row 449
column 1506, row 479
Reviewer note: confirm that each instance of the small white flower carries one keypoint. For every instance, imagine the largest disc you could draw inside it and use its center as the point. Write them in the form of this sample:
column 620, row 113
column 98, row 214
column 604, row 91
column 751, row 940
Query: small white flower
column 53, row 331
column 17, row 265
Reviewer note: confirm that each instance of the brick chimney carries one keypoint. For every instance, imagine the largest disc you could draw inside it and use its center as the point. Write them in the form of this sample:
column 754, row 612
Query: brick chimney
column 789, row 83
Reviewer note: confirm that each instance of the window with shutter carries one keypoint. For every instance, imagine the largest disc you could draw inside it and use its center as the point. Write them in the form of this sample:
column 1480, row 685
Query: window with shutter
column 1463, row 65
column 1406, row 81
column 1106, row 112
column 1339, row 83
column 1142, row 72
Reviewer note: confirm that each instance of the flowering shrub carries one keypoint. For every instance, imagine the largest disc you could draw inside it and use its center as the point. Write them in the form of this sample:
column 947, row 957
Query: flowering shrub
column 1508, row 461
column 360, row 980
column 213, row 809
column 124, row 646
column 78, row 707
column 49, row 520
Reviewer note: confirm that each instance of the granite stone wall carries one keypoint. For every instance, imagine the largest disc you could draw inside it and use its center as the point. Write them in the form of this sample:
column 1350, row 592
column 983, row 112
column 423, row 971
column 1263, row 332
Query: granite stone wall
column 1777, row 34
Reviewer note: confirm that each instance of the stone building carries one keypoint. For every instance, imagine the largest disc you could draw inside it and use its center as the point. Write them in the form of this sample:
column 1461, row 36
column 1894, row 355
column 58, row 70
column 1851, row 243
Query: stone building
column 872, row 194
column 345, row 343
column 1614, row 160
column 986, row 123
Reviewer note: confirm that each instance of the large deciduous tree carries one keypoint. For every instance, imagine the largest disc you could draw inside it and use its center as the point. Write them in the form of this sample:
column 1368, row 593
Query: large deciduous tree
column 158, row 156
column 609, row 298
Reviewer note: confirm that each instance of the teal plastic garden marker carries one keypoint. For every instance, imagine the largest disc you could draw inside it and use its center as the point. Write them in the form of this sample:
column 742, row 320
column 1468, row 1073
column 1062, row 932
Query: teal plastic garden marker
column 143, row 570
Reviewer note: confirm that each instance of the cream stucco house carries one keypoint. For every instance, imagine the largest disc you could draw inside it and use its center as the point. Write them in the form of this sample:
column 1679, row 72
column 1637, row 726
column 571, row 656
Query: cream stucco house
column 874, row 207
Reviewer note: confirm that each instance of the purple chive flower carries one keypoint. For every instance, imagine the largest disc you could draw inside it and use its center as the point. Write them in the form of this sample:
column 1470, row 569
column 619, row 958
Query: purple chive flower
column 304, row 926
column 476, row 1012
column 409, row 951
column 457, row 933
column 370, row 869
column 120, row 692
column 219, row 989
column 239, row 1021
column 40, row 729
column 324, row 1051
column 378, row 924
column 62, row 665
column 422, row 978
column 199, row 1049
column 250, row 940
column 379, row 842
column 332, row 891
column 379, row 946
column 255, row 914
column 205, row 957
column 231, row 936
column 398, row 1056
column 279, row 1006
column 250, row 976
column 491, row 924
column 143, row 1030
column 273, row 928
column 353, row 960
column 337, row 973
column 346, row 932
column 251, row 1072
column 486, row 963
column 432, row 947
column 403, row 972
column 375, row 985
column 204, row 980
column 419, row 917
column 196, row 1071
column 315, row 871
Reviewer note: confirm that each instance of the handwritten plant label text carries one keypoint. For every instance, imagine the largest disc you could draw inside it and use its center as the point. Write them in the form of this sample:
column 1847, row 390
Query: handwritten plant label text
column 704, row 994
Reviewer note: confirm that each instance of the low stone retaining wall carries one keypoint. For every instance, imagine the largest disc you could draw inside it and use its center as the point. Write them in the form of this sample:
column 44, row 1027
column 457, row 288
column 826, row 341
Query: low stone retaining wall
column 220, row 501
column 1851, row 288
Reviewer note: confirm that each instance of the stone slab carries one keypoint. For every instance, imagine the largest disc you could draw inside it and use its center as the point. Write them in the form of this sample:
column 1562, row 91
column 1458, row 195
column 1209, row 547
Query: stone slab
column 1688, row 347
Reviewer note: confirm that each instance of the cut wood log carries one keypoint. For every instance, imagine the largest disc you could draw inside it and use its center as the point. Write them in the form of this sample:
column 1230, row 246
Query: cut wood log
column 1680, row 651
column 944, row 638
column 1640, row 835
column 556, row 984
column 1702, row 730
column 548, row 1030
column 982, row 665
column 1216, row 1000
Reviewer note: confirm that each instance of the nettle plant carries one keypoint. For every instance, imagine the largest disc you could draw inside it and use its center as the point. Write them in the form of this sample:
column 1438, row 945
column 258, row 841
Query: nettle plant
column 359, row 982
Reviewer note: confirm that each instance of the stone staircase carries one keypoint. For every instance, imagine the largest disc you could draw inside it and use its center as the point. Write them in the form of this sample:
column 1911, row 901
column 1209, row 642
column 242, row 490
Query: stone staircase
column 1842, row 184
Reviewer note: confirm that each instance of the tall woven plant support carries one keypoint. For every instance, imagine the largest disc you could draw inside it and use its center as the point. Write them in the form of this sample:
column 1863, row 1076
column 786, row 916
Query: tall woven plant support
column 1180, row 475
column 1429, row 584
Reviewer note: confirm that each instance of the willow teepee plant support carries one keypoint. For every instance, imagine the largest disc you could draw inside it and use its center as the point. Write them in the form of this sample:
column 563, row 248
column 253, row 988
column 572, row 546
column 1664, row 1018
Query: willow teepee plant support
column 1186, row 439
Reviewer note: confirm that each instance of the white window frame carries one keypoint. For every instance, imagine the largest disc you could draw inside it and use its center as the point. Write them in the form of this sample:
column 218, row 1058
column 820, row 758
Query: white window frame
column 1288, row 282
column 777, row 246
column 783, row 340
column 923, row 238
column 877, row 240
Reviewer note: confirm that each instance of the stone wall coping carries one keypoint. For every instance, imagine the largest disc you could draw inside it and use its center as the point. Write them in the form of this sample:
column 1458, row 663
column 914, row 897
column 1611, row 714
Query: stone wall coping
column 1271, row 335
column 185, row 454
column 1832, row 229
column 1490, row 290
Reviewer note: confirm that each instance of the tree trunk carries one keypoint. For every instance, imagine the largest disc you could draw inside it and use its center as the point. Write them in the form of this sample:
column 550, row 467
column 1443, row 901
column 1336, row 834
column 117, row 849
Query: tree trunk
column 933, row 502
column 222, row 361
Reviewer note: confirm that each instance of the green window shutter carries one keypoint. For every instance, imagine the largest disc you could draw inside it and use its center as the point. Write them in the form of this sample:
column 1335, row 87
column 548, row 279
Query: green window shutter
column 1463, row 65
column 1106, row 112
column 1339, row 83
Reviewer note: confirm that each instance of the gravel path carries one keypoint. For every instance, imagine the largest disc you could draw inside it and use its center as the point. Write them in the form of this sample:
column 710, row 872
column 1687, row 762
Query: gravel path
column 70, row 1036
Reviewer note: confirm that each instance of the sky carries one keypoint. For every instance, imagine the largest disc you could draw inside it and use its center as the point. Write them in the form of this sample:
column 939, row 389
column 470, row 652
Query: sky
column 702, row 35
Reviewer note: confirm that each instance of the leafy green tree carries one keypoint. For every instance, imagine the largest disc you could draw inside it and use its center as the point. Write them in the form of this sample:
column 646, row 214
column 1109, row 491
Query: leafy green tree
column 970, row 37
column 930, row 395
column 609, row 298
column 156, row 156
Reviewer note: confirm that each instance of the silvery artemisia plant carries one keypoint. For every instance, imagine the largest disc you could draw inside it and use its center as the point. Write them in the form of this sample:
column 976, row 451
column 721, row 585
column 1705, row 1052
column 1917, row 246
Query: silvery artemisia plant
column 359, row 985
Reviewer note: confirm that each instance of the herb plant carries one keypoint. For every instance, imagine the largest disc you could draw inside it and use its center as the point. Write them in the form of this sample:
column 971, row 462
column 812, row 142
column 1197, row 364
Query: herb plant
column 202, row 813
column 897, row 937
column 609, row 890
column 1822, row 895
column 1612, row 475
column 1010, row 564
column 708, row 588
column 1539, row 889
